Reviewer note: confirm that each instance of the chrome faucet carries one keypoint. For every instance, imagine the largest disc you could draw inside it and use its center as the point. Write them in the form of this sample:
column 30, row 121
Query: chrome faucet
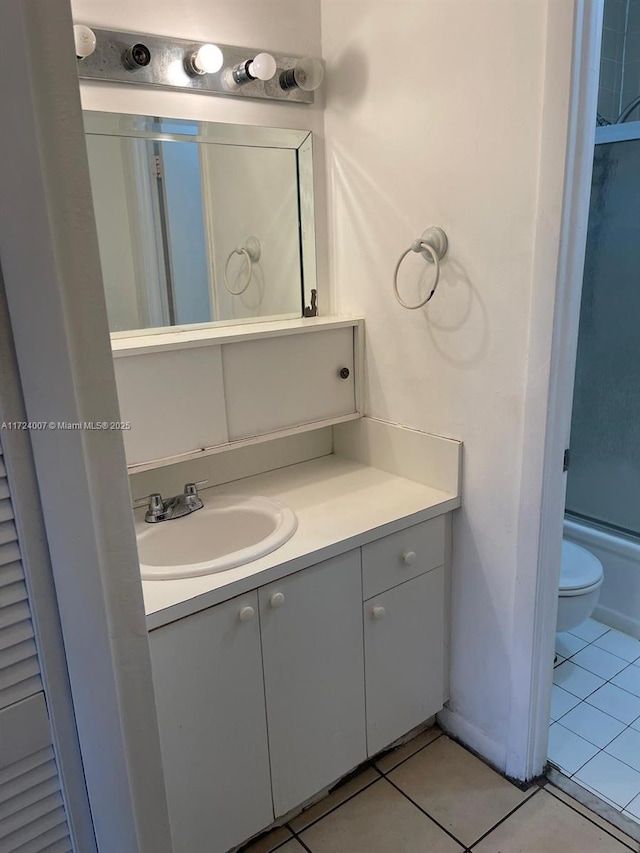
column 175, row 507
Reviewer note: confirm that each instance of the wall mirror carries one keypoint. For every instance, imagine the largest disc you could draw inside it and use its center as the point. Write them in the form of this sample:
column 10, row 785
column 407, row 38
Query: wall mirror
column 201, row 223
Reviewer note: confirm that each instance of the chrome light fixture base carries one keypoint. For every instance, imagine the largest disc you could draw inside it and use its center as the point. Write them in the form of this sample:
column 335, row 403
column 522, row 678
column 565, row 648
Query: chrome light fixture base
column 166, row 67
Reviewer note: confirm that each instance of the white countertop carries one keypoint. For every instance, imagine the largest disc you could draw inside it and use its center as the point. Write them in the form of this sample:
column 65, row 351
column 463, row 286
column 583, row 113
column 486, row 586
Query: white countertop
column 340, row 505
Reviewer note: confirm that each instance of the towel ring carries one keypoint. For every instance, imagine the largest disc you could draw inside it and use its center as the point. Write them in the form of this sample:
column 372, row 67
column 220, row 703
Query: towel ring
column 252, row 251
column 433, row 246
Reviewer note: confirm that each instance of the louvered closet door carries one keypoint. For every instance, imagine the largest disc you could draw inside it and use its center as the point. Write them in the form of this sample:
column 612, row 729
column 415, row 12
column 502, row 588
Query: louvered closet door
column 32, row 815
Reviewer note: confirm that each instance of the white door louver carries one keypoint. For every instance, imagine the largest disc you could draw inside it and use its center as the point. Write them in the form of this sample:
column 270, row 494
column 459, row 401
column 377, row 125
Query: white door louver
column 32, row 813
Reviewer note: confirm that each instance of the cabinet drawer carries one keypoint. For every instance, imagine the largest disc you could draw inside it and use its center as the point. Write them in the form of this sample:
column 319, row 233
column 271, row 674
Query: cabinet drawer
column 404, row 658
column 278, row 383
column 401, row 556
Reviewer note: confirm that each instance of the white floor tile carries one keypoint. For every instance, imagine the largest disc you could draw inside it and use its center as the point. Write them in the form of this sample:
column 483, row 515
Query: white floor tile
column 634, row 807
column 636, row 724
column 593, row 725
column 599, row 662
column 619, row 644
column 629, row 679
column 598, row 794
column 590, row 630
column 615, row 780
column 567, row 750
column 626, row 748
column 616, row 702
column 558, row 660
column 576, row 680
column 561, row 702
column 567, row 644
column 631, row 815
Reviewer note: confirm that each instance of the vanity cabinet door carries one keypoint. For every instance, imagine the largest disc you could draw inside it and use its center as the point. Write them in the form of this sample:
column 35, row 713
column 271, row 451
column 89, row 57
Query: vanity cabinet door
column 404, row 658
column 207, row 673
column 283, row 382
column 312, row 650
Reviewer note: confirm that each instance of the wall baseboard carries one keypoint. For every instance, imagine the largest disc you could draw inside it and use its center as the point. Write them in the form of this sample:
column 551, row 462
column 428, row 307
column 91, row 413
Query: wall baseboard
column 620, row 621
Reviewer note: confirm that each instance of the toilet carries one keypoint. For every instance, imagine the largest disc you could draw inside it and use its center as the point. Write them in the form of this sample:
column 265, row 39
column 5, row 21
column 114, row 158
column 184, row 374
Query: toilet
column 581, row 577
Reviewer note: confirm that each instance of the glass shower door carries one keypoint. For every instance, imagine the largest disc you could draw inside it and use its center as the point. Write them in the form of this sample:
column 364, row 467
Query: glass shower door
column 604, row 477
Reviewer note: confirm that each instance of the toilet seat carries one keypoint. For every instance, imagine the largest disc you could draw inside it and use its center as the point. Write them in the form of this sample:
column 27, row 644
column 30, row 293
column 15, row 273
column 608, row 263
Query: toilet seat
column 581, row 571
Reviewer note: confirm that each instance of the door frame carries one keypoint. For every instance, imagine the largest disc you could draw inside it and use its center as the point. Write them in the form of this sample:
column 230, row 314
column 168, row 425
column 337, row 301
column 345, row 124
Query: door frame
column 57, row 312
column 543, row 479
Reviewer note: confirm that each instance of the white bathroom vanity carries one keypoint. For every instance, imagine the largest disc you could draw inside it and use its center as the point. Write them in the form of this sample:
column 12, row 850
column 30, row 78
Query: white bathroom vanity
column 276, row 678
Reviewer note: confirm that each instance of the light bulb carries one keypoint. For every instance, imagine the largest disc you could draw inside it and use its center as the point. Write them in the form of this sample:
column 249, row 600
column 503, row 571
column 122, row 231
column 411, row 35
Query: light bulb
column 263, row 67
column 206, row 60
column 85, row 40
column 307, row 74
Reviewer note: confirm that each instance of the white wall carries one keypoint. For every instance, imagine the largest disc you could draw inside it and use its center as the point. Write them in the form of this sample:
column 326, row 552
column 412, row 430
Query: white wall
column 279, row 25
column 434, row 116
column 259, row 188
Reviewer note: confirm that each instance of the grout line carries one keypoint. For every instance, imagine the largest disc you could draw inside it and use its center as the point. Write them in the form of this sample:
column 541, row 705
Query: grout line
column 590, row 788
column 381, row 775
column 251, row 842
column 594, row 642
column 584, row 737
column 286, row 841
column 404, row 760
column 586, row 817
column 583, row 700
column 426, row 813
column 602, row 796
column 337, row 806
column 507, row 816
column 300, row 841
column 605, row 680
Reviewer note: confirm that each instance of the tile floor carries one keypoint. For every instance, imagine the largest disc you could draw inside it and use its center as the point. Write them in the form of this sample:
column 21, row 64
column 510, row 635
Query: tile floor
column 433, row 796
column 594, row 737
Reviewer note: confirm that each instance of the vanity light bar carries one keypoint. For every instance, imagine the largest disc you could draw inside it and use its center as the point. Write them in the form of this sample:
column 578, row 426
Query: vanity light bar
column 170, row 62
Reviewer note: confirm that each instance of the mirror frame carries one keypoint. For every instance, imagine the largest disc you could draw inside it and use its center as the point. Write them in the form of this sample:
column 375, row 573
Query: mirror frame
column 146, row 127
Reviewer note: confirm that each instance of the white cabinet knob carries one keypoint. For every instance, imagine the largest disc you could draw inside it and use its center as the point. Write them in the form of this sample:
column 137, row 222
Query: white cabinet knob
column 246, row 614
column 409, row 558
column 378, row 612
column 276, row 599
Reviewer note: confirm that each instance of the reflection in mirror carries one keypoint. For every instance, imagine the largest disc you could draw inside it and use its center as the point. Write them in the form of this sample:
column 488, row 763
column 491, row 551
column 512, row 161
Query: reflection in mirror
column 200, row 223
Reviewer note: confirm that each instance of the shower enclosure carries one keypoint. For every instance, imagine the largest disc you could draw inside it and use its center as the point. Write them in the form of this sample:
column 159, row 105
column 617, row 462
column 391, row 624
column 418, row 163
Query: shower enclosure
column 603, row 489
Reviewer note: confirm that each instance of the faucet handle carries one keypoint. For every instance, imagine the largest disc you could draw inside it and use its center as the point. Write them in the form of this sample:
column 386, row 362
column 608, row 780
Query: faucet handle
column 155, row 504
column 153, row 501
column 192, row 488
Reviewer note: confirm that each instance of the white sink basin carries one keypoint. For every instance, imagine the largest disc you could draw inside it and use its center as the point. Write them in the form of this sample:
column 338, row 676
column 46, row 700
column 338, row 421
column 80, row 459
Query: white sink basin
column 229, row 531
